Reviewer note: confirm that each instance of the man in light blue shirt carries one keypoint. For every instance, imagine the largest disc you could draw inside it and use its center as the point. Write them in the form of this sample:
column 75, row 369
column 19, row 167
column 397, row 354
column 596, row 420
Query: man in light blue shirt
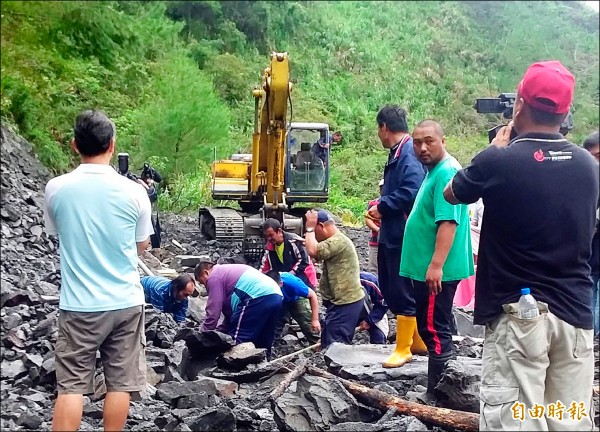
column 300, row 302
column 102, row 220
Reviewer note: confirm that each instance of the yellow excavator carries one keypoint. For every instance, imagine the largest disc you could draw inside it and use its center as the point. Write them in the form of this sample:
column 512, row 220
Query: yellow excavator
column 284, row 168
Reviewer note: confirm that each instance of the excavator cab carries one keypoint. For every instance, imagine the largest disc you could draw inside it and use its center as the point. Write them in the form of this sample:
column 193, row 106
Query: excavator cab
column 307, row 165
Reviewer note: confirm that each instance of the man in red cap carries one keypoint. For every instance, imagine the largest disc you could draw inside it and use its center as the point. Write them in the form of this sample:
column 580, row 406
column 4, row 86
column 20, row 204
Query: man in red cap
column 540, row 194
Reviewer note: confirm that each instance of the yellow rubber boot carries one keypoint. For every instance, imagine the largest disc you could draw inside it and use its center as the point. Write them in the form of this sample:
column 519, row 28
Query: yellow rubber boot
column 405, row 328
column 418, row 346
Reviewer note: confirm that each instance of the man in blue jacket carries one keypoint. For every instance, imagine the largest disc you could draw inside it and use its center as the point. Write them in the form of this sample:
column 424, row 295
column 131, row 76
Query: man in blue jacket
column 402, row 178
column 373, row 318
column 170, row 296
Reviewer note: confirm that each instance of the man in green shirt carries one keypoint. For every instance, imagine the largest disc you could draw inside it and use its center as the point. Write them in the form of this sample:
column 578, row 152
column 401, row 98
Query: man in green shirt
column 340, row 287
column 436, row 251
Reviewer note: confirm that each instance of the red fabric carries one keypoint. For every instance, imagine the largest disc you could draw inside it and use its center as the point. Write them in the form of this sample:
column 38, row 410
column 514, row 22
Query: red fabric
column 311, row 273
column 431, row 326
column 548, row 86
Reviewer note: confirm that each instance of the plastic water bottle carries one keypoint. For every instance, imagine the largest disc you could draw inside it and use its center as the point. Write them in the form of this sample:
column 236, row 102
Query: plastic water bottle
column 528, row 308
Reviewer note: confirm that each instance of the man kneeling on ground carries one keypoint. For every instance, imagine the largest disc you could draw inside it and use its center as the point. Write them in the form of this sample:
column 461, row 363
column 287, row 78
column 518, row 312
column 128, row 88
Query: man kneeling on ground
column 340, row 286
column 373, row 317
column 249, row 300
column 300, row 302
column 170, row 296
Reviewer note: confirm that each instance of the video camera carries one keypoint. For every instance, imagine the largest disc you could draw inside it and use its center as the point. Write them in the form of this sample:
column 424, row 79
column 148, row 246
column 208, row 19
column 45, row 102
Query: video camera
column 503, row 104
column 147, row 171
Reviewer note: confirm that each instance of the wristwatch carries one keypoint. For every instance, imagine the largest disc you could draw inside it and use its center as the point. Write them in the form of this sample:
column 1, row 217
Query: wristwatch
column 309, row 230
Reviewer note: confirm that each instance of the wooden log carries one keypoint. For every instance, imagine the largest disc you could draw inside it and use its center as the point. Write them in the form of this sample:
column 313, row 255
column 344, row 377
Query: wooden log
column 295, row 353
column 292, row 376
column 438, row 416
column 288, row 379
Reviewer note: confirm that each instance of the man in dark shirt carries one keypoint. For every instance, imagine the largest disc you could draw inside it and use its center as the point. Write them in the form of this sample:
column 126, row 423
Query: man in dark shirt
column 540, row 194
column 402, row 178
column 592, row 145
column 321, row 148
column 285, row 252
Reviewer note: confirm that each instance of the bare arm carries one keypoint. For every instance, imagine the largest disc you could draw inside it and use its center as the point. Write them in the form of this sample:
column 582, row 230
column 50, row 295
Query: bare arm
column 371, row 224
column 443, row 243
column 314, row 307
column 142, row 246
column 310, row 242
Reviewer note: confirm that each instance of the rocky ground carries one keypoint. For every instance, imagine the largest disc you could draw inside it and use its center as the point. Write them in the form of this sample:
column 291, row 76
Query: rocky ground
column 196, row 381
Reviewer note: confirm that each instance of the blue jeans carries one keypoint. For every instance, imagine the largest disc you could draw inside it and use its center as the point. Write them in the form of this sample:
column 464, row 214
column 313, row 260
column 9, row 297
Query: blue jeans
column 595, row 304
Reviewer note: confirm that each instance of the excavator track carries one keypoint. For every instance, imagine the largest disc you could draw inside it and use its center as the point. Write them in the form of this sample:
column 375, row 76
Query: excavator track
column 221, row 224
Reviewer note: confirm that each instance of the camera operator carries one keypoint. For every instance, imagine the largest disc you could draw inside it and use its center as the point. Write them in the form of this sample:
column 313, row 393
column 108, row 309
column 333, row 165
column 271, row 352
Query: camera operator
column 148, row 179
column 540, row 194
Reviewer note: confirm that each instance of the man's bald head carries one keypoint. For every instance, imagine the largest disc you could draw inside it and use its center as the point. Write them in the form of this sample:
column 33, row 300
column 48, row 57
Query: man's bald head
column 431, row 123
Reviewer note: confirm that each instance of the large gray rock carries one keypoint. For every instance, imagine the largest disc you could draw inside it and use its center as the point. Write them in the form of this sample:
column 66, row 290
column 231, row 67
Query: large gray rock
column 197, row 308
column 171, row 391
column 363, row 363
column 464, row 324
column 459, row 385
column 216, row 419
column 313, row 403
column 205, row 344
column 240, row 356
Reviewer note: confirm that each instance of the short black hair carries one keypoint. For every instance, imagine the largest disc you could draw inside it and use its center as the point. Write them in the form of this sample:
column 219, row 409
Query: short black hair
column 394, row 117
column 274, row 274
column 591, row 141
column 271, row 223
column 201, row 266
column 93, row 132
column 544, row 118
column 181, row 281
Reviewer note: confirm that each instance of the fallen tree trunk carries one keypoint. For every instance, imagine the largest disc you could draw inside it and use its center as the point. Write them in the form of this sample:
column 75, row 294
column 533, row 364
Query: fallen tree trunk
column 438, row 416
column 288, row 379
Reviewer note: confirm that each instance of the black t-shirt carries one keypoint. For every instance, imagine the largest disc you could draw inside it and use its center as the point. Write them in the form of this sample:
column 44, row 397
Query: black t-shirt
column 540, row 195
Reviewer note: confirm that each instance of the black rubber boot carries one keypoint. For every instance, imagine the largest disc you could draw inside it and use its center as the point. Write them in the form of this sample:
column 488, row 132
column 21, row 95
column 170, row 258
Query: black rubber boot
column 435, row 368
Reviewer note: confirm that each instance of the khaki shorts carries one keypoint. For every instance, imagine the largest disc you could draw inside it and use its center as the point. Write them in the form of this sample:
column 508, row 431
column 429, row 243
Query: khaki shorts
column 118, row 334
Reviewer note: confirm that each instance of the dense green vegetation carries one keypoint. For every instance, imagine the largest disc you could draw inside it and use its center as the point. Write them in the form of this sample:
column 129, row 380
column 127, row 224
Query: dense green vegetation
column 177, row 76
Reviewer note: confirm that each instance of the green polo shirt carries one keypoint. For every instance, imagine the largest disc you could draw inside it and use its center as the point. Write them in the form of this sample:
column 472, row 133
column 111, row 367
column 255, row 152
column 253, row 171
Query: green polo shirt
column 429, row 210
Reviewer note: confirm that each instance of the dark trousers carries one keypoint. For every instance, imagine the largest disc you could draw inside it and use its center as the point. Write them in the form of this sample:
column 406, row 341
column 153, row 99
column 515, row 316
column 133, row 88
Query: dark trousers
column 302, row 313
column 397, row 290
column 434, row 317
column 255, row 320
column 340, row 322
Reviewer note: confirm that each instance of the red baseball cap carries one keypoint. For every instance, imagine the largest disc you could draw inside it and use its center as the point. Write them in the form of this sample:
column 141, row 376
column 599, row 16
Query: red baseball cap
column 548, row 86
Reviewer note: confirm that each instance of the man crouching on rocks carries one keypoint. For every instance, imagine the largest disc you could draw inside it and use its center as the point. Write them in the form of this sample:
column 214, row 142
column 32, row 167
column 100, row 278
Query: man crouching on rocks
column 249, row 300
column 340, row 286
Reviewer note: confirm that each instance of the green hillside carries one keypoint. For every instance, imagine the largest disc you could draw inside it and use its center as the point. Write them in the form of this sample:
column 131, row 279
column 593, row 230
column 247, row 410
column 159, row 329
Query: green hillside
column 177, row 76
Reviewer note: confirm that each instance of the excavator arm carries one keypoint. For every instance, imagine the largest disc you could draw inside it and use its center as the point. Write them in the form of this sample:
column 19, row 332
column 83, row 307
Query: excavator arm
column 269, row 137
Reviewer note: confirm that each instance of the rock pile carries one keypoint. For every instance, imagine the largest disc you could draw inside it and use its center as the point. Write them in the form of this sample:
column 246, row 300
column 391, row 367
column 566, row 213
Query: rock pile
column 196, row 381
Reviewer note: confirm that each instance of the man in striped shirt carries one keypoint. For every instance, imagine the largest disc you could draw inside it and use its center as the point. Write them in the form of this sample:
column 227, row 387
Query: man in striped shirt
column 170, row 296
